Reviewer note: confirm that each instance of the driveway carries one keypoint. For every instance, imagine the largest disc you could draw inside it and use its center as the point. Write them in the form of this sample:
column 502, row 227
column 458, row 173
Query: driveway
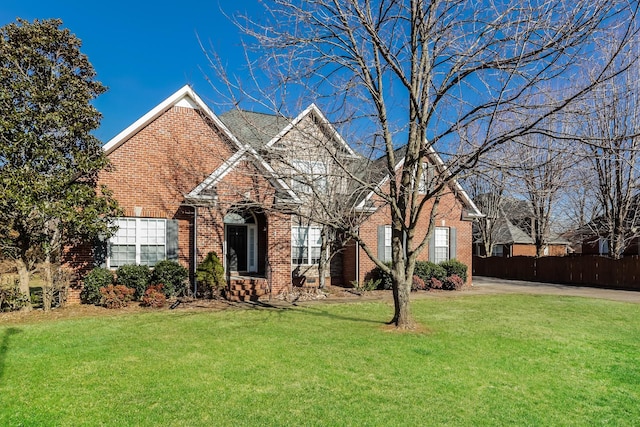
column 491, row 285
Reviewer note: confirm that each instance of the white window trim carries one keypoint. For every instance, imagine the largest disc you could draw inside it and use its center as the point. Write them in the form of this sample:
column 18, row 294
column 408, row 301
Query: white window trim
column 423, row 185
column 308, row 244
column 311, row 170
column 436, row 245
column 138, row 244
column 388, row 255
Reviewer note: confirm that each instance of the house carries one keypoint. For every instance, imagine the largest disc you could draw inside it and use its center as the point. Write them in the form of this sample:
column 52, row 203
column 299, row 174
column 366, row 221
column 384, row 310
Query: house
column 191, row 182
column 511, row 229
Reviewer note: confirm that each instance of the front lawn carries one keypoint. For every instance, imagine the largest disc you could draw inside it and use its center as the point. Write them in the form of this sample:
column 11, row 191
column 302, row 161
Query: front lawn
column 478, row 360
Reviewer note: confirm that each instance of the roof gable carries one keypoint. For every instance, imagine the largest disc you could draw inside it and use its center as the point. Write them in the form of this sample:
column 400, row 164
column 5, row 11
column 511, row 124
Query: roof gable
column 262, row 130
column 184, row 97
column 473, row 211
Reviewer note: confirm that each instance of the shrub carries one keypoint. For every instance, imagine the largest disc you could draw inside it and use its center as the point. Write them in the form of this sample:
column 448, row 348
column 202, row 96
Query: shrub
column 97, row 278
column 455, row 267
column 427, row 270
column 367, row 285
column 135, row 277
column 418, row 284
column 383, row 279
column 154, row 297
column 210, row 275
column 11, row 299
column 453, row 283
column 172, row 275
column 116, row 296
column 435, row 283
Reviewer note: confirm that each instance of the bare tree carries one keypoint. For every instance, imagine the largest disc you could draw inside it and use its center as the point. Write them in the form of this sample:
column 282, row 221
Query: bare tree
column 419, row 74
column 611, row 135
column 486, row 185
column 539, row 165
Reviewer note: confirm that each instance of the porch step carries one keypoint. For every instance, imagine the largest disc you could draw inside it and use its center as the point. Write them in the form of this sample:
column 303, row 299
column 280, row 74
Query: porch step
column 246, row 289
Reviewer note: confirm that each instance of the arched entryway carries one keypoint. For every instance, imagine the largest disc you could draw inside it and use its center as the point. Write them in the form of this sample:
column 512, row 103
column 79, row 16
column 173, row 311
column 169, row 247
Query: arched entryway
column 242, row 229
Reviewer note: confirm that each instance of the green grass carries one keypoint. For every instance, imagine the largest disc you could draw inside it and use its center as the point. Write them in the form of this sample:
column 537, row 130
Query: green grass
column 482, row 360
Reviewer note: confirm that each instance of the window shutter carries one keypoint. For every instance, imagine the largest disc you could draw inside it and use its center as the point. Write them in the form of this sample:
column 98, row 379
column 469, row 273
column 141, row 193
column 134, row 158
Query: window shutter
column 432, row 246
column 172, row 239
column 381, row 256
column 100, row 250
column 453, row 238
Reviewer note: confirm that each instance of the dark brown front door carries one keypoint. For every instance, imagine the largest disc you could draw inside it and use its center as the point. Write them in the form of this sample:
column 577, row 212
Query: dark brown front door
column 237, row 247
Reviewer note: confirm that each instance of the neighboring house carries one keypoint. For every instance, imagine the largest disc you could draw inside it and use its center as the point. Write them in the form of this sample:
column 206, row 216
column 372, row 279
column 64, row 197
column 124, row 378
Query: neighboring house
column 191, row 182
column 511, row 231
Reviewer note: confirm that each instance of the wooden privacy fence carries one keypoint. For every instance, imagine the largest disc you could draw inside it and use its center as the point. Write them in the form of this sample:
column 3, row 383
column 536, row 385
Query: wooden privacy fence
column 585, row 270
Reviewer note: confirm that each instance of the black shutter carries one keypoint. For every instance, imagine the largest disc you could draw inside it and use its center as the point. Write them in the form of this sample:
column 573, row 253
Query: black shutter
column 100, row 252
column 381, row 250
column 172, row 239
column 452, row 242
column 432, row 245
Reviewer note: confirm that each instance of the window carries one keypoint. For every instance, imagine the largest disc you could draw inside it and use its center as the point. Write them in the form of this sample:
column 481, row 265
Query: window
column 426, row 178
column 498, row 250
column 384, row 243
column 306, row 245
column 138, row 241
column 387, row 243
column 441, row 244
column 307, row 173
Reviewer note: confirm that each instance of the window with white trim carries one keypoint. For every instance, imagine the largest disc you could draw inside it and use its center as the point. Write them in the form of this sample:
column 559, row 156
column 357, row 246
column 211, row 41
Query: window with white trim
column 425, row 179
column 138, row 241
column 306, row 245
column 441, row 244
column 387, row 243
column 307, row 173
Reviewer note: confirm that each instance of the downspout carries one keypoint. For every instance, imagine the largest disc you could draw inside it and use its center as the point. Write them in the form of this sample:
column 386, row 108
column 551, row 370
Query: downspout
column 195, row 250
column 358, row 258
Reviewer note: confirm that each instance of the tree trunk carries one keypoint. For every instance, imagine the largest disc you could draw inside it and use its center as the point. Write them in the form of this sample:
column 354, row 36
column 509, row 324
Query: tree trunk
column 23, row 276
column 322, row 267
column 402, row 317
column 47, row 285
column 401, row 290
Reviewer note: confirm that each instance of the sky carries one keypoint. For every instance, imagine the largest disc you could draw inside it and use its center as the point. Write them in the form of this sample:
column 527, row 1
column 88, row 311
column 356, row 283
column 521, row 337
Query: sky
column 144, row 51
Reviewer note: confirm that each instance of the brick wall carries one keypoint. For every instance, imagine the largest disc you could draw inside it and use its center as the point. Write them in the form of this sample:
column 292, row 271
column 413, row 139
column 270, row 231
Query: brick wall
column 449, row 214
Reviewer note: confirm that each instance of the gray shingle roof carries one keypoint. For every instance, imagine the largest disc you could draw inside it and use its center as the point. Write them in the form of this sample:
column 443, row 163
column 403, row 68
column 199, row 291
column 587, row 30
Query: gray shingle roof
column 255, row 129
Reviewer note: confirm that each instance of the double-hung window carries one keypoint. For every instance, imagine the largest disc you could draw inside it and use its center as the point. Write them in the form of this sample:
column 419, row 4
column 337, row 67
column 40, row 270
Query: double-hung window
column 308, row 173
column 384, row 243
column 306, row 243
column 441, row 244
column 138, row 241
column 426, row 178
column 387, row 243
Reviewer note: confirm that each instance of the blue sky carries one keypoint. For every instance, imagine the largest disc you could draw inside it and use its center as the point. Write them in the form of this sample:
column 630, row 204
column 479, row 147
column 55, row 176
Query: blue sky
column 143, row 51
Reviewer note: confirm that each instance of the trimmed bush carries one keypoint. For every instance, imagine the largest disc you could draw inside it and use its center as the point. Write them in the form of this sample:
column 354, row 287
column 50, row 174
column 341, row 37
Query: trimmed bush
column 453, row 283
column 172, row 275
column 418, row 284
column 435, row 283
column 154, row 297
column 383, row 279
column 135, row 277
column 97, row 278
column 455, row 267
column 117, row 296
column 11, row 299
column 210, row 275
column 427, row 270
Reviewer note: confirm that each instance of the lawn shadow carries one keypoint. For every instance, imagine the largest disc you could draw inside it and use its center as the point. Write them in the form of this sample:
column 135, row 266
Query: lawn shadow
column 4, row 347
column 323, row 313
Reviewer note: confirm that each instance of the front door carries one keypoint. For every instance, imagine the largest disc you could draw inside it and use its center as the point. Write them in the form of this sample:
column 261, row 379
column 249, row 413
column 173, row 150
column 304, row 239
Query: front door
column 237, row 247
